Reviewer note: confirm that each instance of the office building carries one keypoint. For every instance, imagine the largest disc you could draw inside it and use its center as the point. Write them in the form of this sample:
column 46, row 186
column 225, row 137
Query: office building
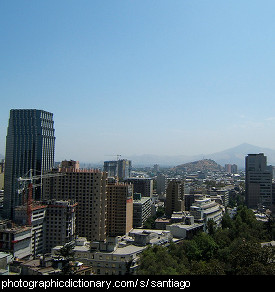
column 88, row 189
column 174, row 197
column 119, row 208
column 30, row 144
column 258, row 181
column 144, row 186
column 142, row 211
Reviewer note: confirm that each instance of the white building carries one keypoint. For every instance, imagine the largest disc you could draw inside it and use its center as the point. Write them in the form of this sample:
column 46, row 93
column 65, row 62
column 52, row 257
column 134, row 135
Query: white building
column 204, row 209
column 116, row 255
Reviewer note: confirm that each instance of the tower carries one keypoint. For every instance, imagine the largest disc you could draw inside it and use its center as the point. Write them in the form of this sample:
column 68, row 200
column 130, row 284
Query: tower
column 30, row 145
column 258, row 181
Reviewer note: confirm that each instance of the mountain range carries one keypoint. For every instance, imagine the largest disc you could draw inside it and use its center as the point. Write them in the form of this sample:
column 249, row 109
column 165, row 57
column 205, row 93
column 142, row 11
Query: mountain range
column 235, row 155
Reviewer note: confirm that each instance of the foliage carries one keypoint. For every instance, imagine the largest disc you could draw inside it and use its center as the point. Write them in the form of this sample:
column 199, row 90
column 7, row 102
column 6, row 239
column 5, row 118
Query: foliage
column 66, row 253
column 232, row 249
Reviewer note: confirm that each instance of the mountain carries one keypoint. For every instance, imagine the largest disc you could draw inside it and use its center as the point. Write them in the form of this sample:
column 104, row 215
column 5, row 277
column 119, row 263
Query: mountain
column 235, row 155
column 203, row 165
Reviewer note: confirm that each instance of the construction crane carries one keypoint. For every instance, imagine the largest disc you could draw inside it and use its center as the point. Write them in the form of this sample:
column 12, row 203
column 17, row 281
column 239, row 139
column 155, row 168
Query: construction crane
column 28, row 183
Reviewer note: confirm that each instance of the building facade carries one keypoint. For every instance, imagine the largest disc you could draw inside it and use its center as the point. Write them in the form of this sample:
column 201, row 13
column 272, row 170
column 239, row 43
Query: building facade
column 143, row 186
column 258, row 181
column 88, row 189
column 174, row 197
column 119, row 208
column 121, row 168
column 30, row 145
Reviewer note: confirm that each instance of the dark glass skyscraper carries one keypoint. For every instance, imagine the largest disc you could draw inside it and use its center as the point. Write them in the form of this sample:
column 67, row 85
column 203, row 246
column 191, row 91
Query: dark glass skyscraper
column 30, row 145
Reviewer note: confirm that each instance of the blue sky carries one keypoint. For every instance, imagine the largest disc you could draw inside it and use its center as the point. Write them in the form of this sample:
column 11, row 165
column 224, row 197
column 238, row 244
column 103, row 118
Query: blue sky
column 138, row 77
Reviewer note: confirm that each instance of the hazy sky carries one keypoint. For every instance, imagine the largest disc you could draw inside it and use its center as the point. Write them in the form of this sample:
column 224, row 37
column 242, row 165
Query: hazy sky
column 141, row 76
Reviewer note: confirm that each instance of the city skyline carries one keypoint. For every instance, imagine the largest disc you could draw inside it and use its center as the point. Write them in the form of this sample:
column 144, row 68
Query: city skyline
column 146, row 77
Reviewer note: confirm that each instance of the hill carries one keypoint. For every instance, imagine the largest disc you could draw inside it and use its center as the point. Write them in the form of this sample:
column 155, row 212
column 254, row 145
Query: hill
column 203, row 165
column 235, row 155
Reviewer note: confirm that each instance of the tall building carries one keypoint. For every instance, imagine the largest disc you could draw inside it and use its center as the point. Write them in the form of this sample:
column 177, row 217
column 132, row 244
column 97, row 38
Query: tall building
column 30, row 144
column 88, row 189
column 144, row 186
column 60, row 223
column 174, row 197
column 258, row 181
column 121, row 168
column 119, row 208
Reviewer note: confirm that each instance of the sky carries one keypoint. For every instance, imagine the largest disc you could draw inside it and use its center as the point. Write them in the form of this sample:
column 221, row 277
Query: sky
column 128, row 77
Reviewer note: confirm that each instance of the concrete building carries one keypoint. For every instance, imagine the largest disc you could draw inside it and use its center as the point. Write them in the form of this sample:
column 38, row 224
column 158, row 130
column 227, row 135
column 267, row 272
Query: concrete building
column 142, row 211
column 174, row 197
column 258, row 181
column 119, row 208
column 205, row 209
column 59, row 223
column 121, row 168
column 16, row 240
column 38, row 212
column 161, row 183
column 144, row 186
column 30, row 144
column 117, row 255
column 88, row 189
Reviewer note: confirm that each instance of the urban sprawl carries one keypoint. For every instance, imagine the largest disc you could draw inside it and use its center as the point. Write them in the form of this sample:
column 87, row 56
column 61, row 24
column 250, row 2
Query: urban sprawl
column 60, row 218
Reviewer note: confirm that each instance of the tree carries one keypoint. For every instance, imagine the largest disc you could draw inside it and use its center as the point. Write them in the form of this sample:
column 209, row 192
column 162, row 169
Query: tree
column 66, row 253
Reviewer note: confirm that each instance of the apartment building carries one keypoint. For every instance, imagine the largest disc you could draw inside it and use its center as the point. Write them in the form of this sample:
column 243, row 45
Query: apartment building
column 88, row 189
column 119, row 208
column 174, row 197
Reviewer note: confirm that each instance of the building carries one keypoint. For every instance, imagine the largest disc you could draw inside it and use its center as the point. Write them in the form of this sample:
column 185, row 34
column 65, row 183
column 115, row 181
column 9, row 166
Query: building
column 231, row 168
column 37, row 223
column 161, row 182
column 88, row 189
column 205, row 209
column 121, row 168
column 142, row 211
column 144, row 186
column 59, row 223
column 117, row 255
column 119, row 208
column 174, row 197
column 16, row 240
column 30, row 144
column 258, row 181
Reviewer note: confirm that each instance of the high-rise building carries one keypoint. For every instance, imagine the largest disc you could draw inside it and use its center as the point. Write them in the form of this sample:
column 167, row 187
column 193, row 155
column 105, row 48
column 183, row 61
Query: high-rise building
column 88, row 189
column 121, row 168
column 144, row 186
column 258, row 181
column 174, row 197
column 119, row 208
column 30, row 145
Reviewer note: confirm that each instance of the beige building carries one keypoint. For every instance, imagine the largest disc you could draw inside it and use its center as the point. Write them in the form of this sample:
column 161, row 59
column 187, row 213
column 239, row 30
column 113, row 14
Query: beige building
column 174, row 197
column 88, row 189
column 119, row 208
